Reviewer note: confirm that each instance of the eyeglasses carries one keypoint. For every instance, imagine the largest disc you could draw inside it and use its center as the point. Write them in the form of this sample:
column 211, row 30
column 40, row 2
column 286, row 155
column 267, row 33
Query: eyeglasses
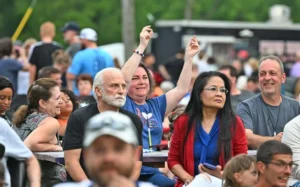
column 283, row 165
column 216, row 89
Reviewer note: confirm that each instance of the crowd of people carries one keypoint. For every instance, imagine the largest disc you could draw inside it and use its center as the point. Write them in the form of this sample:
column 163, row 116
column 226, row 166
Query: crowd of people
column 104, row 116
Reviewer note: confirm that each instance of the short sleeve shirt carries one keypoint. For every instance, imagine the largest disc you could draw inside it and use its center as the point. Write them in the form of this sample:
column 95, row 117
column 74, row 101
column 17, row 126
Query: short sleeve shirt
column 76, row 126
column 89, row 61
column 265, row 120
column 152, row 115
column 10, row 68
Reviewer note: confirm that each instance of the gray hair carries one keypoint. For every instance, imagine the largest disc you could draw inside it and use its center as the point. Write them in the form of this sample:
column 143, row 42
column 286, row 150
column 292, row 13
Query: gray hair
column 98, row 80
column 272, row 57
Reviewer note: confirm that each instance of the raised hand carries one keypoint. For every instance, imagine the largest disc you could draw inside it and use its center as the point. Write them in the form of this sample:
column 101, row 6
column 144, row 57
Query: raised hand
column 192, row 48
column 145, row 36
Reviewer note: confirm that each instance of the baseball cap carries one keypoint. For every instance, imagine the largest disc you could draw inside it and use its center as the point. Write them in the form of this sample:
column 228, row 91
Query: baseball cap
column 110, row 123
column 88, row 34
column 71, row 26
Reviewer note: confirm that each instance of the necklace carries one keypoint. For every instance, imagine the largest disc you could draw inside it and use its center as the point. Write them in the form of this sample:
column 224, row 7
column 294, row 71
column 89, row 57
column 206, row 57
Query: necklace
column 270, row 115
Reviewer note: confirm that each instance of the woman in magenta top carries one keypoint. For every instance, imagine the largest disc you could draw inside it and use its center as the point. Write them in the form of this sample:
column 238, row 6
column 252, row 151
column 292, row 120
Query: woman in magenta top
column 207, row 132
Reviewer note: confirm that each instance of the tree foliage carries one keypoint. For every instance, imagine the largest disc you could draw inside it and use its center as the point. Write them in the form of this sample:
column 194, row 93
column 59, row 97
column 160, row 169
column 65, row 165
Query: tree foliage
column 105, row 15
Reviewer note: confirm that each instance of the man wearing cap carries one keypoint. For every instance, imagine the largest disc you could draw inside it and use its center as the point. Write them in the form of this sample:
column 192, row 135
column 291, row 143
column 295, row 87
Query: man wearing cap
column 71, row 31
column 90, row 61
column 110, row 149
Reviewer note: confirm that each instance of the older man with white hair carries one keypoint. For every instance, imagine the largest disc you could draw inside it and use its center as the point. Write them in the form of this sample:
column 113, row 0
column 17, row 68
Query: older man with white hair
column 110, row 93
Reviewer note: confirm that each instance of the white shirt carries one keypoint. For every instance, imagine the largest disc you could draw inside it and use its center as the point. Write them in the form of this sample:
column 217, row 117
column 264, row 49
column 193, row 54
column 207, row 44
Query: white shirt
column 291, row 137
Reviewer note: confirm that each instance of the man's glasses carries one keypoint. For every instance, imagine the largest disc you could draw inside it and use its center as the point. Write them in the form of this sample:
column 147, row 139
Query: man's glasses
column 216, row 89
column 283, row 165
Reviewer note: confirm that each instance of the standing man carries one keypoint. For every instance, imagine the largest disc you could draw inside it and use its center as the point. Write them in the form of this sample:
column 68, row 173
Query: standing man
column 90, row 61
column 110, row 150
column 274, row 164
column 40, row 53
column 172, row 68
column 71, row 30
column 266, row 114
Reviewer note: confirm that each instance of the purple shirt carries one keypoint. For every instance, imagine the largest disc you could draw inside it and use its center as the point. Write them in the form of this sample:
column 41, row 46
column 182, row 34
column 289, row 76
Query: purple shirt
column 295, row 71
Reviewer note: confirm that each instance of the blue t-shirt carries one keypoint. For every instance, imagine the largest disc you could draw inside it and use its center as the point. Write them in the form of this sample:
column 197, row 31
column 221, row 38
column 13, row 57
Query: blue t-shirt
column 89, row 61
column 206, row 146
column 9, row 68
column 152, row 115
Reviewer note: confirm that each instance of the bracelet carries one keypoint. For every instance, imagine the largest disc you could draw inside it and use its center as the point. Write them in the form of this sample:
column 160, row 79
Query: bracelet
column 137, row 52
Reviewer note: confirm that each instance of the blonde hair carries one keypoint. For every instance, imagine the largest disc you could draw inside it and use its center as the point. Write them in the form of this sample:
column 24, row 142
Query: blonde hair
column 47, row 29
column 253, row 62
column 61, row 57
column 236, row 164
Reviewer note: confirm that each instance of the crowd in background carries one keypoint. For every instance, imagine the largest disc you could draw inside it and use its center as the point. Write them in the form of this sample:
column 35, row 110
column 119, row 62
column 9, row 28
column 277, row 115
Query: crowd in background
column 48, row 94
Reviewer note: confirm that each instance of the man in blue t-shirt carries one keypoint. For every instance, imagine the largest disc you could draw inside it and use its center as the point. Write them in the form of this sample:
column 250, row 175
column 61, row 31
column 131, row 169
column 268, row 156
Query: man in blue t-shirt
column 90, row 61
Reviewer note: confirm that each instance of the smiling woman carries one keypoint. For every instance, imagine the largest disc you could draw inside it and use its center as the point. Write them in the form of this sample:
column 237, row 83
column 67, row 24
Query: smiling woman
column 6, row 94
column 38, row 128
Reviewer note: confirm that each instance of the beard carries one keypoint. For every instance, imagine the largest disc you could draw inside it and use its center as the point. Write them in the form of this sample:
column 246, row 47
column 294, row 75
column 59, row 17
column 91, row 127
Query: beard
column 116, row 101
column 103, row 179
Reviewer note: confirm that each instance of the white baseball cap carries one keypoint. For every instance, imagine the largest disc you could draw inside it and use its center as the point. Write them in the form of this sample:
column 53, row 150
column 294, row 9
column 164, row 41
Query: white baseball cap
column 110, row 123
column 88, row 34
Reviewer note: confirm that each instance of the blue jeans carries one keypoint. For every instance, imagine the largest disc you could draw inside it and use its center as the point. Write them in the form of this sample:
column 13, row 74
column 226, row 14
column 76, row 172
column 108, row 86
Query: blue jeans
column 158, row 179
column 296, row 184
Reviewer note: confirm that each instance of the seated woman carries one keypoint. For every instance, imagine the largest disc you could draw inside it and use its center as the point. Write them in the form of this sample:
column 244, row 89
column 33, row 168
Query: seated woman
column 69, row 105
column 152, row 111
column 207, row 132
column 240, row 171
column 6, row 95
column 38, row 128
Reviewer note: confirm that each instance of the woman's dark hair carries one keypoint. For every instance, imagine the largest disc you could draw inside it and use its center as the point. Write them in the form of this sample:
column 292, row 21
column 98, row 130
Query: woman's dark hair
column 5, row 83
column 6, row 46
column 226, row 114
column 72, row 97
column 40, row 89
column 150, row 78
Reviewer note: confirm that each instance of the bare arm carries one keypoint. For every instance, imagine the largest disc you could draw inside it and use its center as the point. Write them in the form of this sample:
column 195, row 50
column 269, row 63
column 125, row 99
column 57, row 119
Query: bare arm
column 132, row 63
column 138, row 165
column 33, row 172
column 175, row 95
column 73, row 166
column 70, row 77
column 32, row 70
column 23, row 58
column 43, row 138
column 163, row 71
column 181, row 173
column 254, row 140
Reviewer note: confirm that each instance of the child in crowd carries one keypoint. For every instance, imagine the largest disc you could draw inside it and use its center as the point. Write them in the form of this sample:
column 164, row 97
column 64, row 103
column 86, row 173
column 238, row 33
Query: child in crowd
column 240, row 171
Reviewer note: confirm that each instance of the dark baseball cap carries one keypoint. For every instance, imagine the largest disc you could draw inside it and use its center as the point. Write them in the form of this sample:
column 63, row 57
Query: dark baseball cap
column 71, row 26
